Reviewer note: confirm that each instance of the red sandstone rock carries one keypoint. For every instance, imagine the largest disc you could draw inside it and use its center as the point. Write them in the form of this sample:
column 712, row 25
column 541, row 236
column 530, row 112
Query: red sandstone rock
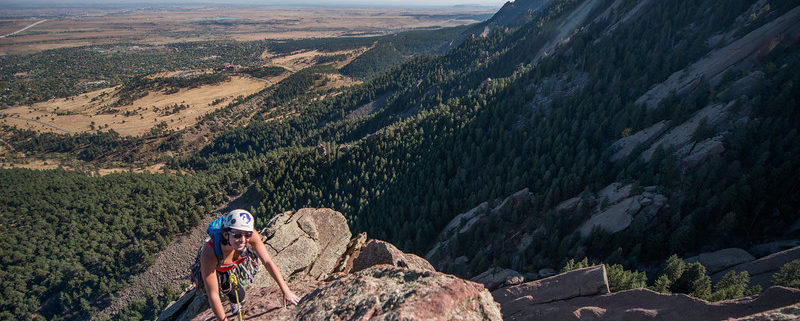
column 378, row 293
column 379, row 252
column 389, row 293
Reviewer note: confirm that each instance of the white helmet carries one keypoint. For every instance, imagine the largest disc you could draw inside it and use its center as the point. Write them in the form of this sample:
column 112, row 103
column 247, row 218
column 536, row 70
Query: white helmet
column 239, row 220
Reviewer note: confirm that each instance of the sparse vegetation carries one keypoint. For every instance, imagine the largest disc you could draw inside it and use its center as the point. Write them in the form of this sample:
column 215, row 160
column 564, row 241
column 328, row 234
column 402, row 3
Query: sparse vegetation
column 788, row 275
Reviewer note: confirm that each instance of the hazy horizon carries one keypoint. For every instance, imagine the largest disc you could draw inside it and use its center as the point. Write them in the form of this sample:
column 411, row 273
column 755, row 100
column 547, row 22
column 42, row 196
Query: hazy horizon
column 275, row 3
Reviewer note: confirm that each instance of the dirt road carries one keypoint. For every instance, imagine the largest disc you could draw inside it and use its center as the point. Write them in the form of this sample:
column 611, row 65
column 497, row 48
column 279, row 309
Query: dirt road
column 23, row 29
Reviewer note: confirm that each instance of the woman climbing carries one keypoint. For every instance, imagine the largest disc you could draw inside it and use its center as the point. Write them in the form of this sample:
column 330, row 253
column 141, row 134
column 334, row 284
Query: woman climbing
column 229, row 259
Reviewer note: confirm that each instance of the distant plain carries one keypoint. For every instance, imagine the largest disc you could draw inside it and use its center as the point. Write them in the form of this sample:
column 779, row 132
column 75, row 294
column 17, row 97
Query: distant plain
column 81, row 27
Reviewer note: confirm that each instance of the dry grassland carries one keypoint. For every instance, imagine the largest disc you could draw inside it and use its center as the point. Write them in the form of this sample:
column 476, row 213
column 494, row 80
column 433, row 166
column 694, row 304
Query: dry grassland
column 79, row 113
column 78, row 27
column 49, row 164
column 304, row 59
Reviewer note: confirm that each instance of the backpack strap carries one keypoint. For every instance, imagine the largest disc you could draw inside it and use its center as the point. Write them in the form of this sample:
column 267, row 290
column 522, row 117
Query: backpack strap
column 215, row 231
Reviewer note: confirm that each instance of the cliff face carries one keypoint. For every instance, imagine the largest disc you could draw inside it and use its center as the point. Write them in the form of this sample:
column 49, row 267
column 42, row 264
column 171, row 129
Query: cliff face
column 380, row 282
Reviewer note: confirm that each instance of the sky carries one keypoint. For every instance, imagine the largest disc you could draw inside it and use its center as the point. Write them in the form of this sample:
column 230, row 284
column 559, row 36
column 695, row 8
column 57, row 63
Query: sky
column 340, row 3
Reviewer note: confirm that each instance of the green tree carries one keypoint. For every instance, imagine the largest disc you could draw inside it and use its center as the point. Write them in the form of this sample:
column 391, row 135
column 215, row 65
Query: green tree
column 788, row 275
column 694, row 281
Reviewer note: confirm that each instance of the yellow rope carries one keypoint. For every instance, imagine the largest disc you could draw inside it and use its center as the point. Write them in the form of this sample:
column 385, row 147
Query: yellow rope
column 235, row 286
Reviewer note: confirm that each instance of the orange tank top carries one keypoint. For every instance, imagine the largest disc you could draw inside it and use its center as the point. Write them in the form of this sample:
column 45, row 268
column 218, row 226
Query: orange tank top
column 225, row 267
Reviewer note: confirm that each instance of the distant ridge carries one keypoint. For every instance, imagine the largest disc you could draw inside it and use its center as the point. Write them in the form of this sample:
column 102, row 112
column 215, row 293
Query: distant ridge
column 511, row 15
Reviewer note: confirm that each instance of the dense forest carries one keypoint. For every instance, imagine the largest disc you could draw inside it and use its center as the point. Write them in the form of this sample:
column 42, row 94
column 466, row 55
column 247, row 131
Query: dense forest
column 442, row 134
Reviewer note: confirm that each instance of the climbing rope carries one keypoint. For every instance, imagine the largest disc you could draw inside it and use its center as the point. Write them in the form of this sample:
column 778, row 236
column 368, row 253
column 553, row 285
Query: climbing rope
column 234, row 287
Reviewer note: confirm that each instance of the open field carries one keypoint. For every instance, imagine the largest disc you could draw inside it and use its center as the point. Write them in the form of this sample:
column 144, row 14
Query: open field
column 305, row 58
column 79, row 27
column 82, row 113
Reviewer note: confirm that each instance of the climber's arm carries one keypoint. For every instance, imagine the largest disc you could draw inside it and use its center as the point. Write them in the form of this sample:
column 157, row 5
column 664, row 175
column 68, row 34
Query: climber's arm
column 208, row 265
column 261, row 250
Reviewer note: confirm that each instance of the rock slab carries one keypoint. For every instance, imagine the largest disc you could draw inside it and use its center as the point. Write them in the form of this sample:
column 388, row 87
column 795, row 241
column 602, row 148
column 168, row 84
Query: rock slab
column 581, row 282
column 305, row 244
column 761, row 270
column 719, row 260
column 386, row 292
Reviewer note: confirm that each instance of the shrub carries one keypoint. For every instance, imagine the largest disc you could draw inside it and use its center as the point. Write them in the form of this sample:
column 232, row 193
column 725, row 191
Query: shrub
column 788, row 275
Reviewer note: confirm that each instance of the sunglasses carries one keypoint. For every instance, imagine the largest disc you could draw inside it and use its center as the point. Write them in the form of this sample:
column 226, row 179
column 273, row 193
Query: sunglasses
column 246, row 235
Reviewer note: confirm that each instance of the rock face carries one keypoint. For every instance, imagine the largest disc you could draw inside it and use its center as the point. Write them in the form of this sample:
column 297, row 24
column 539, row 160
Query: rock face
column 391, row 293
column 583, row 295
column 305, row 244
column 719, row 260
column 378, row 293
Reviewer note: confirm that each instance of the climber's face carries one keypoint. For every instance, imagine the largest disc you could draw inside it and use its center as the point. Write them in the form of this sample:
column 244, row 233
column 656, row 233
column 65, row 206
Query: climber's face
column 238, row 239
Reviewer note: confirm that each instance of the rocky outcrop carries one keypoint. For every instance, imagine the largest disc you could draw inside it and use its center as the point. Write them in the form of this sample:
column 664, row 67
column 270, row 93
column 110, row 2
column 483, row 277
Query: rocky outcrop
column 625, row 145
column 463, row 223
column 588, row 281
column 377, row 252
column 761, row 270
column 512, row 14
column 681, row 135
column 745, row 86
column 378, row 293
column 695, row 154
column 719, row 260
column 391, row 293
column 618, row 206
column 305, row 244
column 757, row 43
column 583, row 295
column 497, row 277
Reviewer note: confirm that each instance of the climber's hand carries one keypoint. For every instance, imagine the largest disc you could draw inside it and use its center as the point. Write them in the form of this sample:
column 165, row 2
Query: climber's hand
column 290, row 297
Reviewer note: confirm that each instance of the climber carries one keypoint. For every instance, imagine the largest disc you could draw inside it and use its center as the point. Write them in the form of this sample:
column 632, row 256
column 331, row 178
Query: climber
column 239, row 246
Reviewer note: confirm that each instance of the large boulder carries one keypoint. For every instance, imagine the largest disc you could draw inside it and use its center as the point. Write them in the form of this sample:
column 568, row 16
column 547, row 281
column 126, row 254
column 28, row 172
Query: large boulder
column 377, row 252
column 390, row 293
column 305, row 244
column 719, row 260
